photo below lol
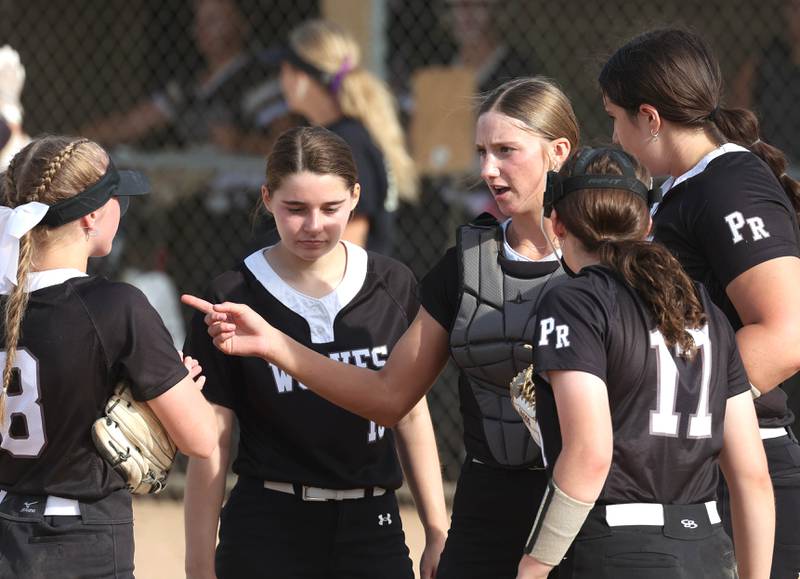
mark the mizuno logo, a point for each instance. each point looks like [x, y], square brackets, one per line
[27, 508]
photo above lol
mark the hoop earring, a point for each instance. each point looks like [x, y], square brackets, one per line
[90, 233]
[654, 134]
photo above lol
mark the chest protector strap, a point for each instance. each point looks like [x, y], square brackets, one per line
[491, 338]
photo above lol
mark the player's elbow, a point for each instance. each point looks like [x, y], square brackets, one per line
[597, 465]
[393, 404]
[400, 411]
[202, 441]
[199, 446]
[783, 331]
[594, 460]
[388, 418]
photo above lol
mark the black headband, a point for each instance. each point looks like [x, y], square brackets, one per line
[559, 187]
[297, 61]
[113, 183]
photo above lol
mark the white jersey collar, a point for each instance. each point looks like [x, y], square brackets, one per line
[49, 277]
[319, 313]
[510, 254]
[700, 166]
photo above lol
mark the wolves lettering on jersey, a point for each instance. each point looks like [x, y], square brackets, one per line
[284, 383]
[289, 433]
[667, 409]
[361, 358]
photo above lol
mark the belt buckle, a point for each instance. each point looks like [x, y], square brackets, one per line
[306, 497]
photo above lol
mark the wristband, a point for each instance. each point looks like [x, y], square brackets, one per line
[559, 520]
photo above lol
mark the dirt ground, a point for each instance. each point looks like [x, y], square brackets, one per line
[159, 537]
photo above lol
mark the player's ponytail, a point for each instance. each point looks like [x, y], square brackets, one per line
[740, 126]
[612, 223]
[360, 94]
[47, 170]
[675, 72]
[662, 284]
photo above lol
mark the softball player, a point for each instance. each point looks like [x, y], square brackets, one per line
[315, 493]
[728, 215]
[643, 394]
[478, 304]
[322, 79]
[68, 338]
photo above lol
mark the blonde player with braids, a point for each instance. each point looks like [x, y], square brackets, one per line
[67, 339]
[323, 80]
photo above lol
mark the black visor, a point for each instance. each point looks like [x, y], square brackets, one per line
[113, 183]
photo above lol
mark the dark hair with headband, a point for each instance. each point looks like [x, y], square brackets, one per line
[675, 72]
[613, 221]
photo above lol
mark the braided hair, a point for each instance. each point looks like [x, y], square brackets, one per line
[47, 170]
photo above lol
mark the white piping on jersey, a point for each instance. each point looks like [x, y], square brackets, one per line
[49, 277]
[512, 255]
[319, 313]
[673, 182]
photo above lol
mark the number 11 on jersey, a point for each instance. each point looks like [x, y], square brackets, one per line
[664, 421]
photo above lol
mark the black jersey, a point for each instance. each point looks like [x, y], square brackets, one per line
[667, 411]
[378, 192]
[721, 222]
[78, 338]
[289, 433]
[440, 295]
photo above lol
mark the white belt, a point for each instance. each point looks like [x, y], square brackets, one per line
[55, 506]
[320, 494]
[767, 433]
[648, 514]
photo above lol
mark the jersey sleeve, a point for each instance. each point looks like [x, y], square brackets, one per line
[571, 331]
[408, 293]
[138, 344]
[371, 175]
[438, 290]
[737, 376]
[218, 368]
[746, 220]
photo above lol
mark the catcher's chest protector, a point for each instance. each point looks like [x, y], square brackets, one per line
[496, 319]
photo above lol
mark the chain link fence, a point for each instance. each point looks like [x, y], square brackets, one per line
[130, 74]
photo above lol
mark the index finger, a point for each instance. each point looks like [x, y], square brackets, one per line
[197, 303]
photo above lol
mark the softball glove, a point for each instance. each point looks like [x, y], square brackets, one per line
[523, 398]
[131, 438]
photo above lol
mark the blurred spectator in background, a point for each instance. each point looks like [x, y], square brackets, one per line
[486, 43]
[322, 80]
[12, 78]
[477, 28]
[220, 106]
[769, 83]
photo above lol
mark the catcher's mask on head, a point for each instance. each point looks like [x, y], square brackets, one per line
[559, 187]
[113, 183]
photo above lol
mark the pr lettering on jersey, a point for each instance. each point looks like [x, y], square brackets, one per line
[736, 222]
[363, 358]
[547, 327]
